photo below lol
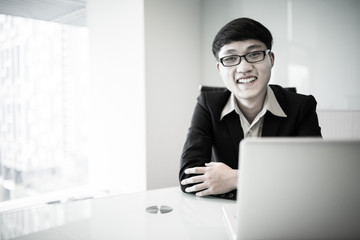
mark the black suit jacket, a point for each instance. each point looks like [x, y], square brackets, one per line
[209, 138]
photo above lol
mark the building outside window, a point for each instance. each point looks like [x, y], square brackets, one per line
[43, 106]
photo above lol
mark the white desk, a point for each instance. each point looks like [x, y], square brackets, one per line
[120, 217]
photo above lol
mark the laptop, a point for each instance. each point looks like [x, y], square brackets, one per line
[296, 188]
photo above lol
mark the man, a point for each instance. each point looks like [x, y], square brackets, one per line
[248, 108]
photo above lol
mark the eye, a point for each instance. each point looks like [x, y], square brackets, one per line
[230, 59]
[254, 54]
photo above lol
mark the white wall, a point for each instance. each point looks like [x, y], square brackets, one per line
[173, 74]
[339, 124]
[143, 98]
[117, 108]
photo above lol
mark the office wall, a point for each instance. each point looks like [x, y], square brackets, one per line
[145, 70]
[343, 124]
[117, 108]
[173, 74]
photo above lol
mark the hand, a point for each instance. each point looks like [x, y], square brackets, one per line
[214, 178]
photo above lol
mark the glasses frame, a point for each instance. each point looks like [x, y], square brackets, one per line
[244, 56]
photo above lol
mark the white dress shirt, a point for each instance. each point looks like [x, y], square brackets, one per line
[255, 128]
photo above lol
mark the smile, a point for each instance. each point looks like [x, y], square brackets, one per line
[245, 80]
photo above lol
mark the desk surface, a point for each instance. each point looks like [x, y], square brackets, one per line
[120, 217]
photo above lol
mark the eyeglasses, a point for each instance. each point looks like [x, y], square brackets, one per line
[251, 57]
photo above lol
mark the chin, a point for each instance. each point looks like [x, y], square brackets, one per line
[248, 92]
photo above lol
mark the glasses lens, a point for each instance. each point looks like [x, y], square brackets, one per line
[255, 56]
[230, 60]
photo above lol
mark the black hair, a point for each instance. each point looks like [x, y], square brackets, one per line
[241, 29]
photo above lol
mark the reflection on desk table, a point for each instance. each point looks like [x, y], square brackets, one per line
[183, 216]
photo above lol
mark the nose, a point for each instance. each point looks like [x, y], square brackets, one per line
[244, 66]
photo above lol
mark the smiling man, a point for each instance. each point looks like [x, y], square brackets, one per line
[249, 107]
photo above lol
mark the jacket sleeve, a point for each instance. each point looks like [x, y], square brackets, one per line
[307, 121]
[197, 148]
[199, 142]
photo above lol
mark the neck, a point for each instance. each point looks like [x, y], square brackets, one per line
[251, 107]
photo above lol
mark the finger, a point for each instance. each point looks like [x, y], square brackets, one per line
[191, 180]
[206, 192]
[195, 170]
[196, 188]
[210, 164]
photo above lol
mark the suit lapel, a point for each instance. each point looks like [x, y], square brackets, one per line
[272, 122]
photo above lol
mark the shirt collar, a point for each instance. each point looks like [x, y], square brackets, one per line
[270, 104]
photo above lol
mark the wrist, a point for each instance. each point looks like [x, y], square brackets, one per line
[234, 181]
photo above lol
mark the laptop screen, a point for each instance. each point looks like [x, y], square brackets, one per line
[298, 188]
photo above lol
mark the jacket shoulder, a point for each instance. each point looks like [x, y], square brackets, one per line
[288, 99]
[284, 95]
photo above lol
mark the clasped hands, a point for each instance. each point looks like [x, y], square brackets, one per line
[214, 178]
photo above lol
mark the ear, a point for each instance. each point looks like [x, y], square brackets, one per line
[218, 66]
[272, 58]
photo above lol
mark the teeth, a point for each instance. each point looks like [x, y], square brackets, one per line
[245, 80]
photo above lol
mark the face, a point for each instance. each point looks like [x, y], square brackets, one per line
[247, 81]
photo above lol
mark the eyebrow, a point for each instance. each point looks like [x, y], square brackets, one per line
[252, 47]
[230, 51]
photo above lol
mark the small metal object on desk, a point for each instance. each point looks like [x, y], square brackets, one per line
[152, 209]
[162, 209]
[165, 209]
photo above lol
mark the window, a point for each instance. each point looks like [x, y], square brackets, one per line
[43, 102]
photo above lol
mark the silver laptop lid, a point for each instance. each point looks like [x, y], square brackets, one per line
[298, 188]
